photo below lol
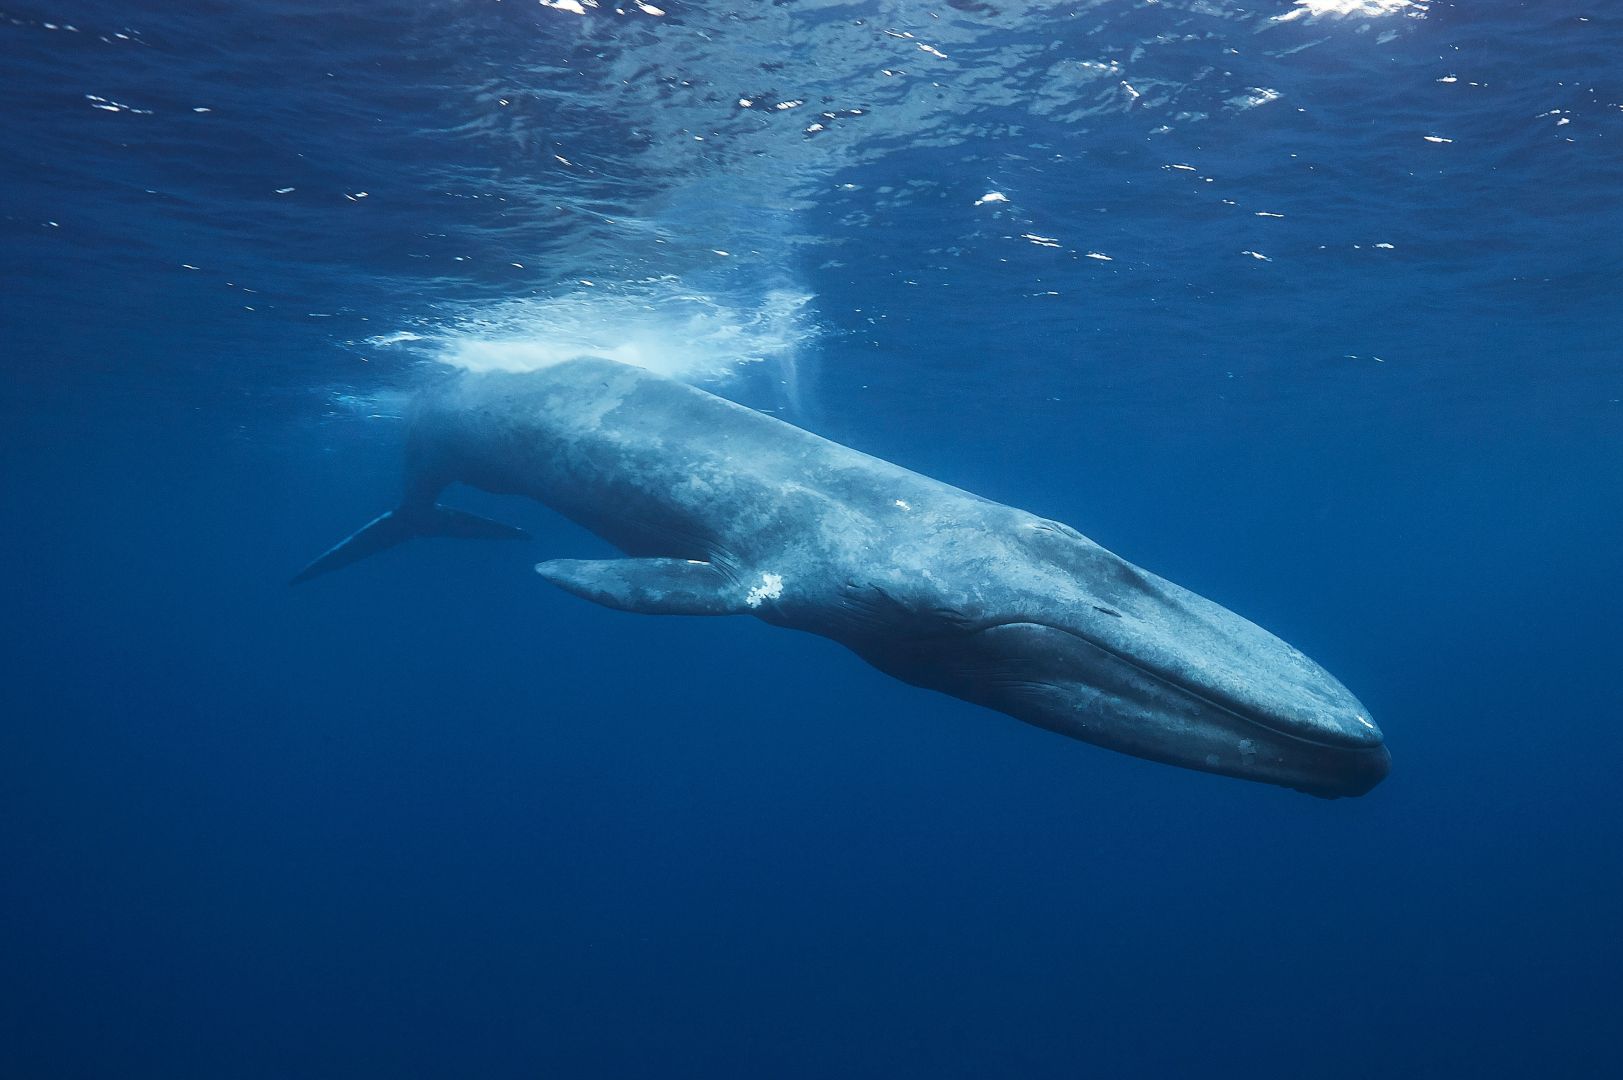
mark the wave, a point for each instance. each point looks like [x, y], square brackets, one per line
[662, 325]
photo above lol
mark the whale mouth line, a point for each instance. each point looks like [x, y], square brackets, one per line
[1184, 688]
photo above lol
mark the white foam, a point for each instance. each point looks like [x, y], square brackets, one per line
[655, 325]
[396, 338]
[1342, 9]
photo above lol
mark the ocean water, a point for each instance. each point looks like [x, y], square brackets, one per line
[1312, 307]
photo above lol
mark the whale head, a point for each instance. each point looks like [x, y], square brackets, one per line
[1061, 633]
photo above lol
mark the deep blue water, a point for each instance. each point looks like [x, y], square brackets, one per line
[1349, 364]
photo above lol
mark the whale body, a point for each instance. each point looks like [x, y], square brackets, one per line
[723, 510]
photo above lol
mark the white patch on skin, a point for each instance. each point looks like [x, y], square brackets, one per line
[1366, 723]
[770, 588]
[903, 504]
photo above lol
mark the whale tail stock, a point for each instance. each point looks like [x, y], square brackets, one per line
[405, 523]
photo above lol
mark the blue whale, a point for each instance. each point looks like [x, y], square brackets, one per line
[722, 510]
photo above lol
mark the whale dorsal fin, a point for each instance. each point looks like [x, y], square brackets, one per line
[648, 586]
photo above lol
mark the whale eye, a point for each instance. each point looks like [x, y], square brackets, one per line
[1108, 611]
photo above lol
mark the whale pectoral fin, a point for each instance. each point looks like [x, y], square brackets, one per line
[648, 586]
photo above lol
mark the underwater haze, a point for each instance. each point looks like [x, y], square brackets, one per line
[1311, 306]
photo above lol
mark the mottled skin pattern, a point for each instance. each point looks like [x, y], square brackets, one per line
[724, 510]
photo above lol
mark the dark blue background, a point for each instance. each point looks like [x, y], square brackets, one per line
[432, 818]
